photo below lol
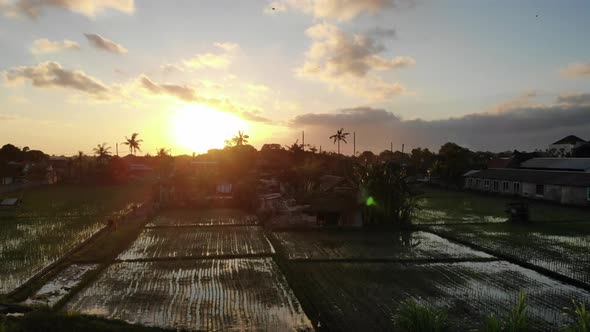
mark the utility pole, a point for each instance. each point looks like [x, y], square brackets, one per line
[403, 148]
[320, 149]
[391, 147]
[354, 143]
[117, 148]
[303, 139]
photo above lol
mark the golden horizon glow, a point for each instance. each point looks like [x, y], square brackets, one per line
[199, 128]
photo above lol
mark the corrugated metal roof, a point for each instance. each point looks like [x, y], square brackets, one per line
[571, 179]
[574, 164]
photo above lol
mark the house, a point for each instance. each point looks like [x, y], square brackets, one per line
[564, 187]
[565, 146]
[336, 203]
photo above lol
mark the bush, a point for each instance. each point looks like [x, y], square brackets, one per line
[414, 317]
[580, 317]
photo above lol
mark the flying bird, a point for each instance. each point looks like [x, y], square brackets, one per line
[535, 16]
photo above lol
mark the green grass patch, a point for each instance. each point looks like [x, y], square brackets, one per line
[445, 206]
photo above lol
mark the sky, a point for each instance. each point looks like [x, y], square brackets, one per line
[188, 74]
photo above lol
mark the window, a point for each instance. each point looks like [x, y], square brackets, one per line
[540, 190]
[478, 183]
[505, 186]
[496, 186]
[469, 182]
[486, 184]
[516, 187]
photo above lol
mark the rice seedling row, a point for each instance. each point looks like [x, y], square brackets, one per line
[49, 225]
[209, 294]
[207, 217]
[366, 297]
[561, 249]
[198, 242]
[372, 246]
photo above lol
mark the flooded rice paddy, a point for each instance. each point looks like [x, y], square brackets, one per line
[563, 248]
[51, 221]
[197, 242]
[209, 217]
[208, 295]
[366, 296]
[372, 245]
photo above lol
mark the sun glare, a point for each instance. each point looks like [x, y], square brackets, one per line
[199, 128]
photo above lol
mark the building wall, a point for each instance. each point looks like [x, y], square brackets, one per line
[575, 196]
[559, 194]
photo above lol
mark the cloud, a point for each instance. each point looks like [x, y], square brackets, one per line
[382, 33]
[227, 46]
[43, 46]
[576, 70]
[6, 117]
[347, 62]
[90, 8]
[101, 43]
[208, 60]
[521, 127]
[50, 74]
[575, 99]
[340, 10]
[189, 94]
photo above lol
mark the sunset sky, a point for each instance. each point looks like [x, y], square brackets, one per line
[186, 75]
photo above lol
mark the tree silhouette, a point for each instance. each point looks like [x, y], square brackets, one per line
[133, 143]
[238, 140]
[339, 136]
[162, 152]
[102, 151]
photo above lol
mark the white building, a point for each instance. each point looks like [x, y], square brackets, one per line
[565, 146]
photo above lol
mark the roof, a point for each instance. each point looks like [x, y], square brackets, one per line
[564, 164]
[9, 202]
[571, 139]
[471, 172]
[571, 179]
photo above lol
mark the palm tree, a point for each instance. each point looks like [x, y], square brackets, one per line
[102, 151]
[240, 139]
[133, 143]
[340, 136]
[162, 152]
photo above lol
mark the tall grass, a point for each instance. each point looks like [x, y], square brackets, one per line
[415, 317]
[580, 317]
[517, 319]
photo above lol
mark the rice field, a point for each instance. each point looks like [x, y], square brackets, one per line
[208, 217]
[372, 245]
[198, 242]
[563, 248]
[60, 285]
[366, 296]
[440, 206]
[51, 221]
[204, 295]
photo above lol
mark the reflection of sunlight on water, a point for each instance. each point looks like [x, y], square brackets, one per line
[229, 294]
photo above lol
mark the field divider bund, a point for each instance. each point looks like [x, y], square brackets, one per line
[548, 273]
[201, 226]
[200, 257]
[395, 260]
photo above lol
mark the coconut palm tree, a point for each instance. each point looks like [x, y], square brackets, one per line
[133, 143]
[240, 139]
[340, 136]
[102, 151]
[162, 152]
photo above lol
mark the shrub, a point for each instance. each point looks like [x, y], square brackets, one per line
[580, 317]
[414, 317]
[492, 324]
[517, 319]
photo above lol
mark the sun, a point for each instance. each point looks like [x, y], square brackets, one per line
[199, 128]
